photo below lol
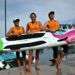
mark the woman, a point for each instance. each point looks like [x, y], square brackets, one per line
[32, 27]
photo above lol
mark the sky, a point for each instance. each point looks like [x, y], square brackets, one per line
[64, 11]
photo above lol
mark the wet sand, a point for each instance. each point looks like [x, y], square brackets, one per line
[45, 69]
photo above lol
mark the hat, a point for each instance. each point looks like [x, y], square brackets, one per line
[17, 20]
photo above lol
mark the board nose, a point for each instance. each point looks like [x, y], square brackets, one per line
[1, 45]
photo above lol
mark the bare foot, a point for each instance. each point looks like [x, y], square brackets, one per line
[37, 68]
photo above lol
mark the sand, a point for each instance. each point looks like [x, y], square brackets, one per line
[45, 69]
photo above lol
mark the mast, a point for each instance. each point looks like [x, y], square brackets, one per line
[5, 17]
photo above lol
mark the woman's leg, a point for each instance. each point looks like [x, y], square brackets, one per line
[24, 59]
[37, 59]
[30, 59]
[18, 58]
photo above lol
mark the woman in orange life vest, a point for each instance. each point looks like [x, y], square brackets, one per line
[32, 27]
[17, 30]
[52, 25]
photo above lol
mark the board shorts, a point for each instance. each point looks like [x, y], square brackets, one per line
[65, 49]
[23, 55]
[55, 51]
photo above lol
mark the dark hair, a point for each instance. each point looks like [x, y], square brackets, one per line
[17, 20]
[33, 14]
[52, 12]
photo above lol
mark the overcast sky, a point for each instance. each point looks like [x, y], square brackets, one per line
[64, 10]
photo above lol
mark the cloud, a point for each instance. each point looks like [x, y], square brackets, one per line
[64, 10]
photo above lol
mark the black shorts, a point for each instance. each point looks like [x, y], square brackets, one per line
[65, 49]
[55, 51]
[23, 55]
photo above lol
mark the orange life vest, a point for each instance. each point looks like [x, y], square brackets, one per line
[53, 25]
[34, 27]
[17, 30]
